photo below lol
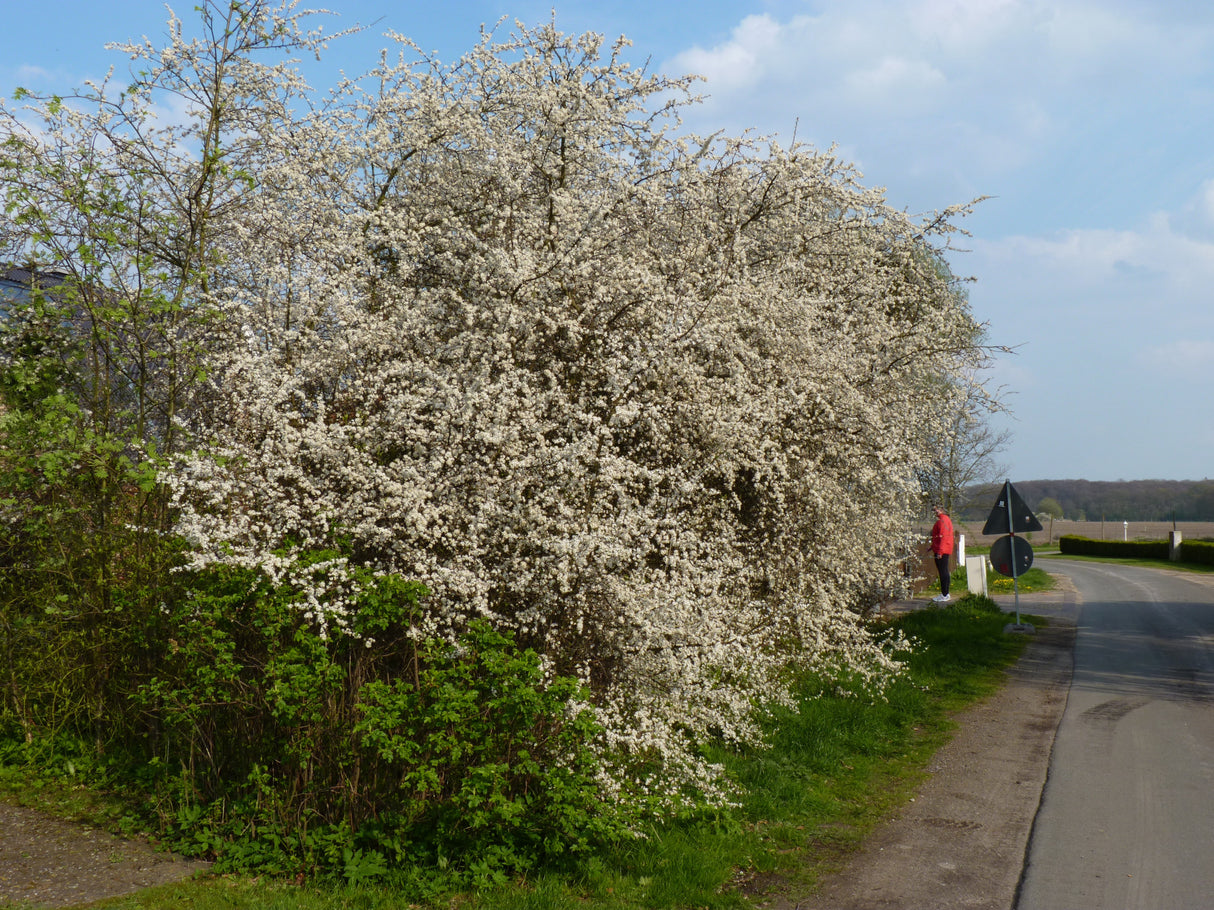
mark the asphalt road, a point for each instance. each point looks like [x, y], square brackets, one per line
[1127, 815]
[1086, 783]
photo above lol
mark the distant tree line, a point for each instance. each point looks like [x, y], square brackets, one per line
[1093, 500]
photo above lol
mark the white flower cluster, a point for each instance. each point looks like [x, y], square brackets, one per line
[653, 403]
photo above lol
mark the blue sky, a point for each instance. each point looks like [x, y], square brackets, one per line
[1090, 125]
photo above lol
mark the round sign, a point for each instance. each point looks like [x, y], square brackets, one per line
[1010, 550]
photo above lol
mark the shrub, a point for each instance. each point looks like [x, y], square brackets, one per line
[1197, 551]
[356, 752]
[1073, 545]
[485, 758]
[498, 326]
[82, 576]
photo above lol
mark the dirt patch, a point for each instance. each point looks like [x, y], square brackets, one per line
[48, 862]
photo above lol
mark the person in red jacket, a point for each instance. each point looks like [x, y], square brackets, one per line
[942, 549]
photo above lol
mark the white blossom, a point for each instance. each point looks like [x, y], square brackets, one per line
[651, 401]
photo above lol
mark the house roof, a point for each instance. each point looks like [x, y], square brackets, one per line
[16, 282]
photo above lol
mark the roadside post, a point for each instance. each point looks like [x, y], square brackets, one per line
[1011, 555]
[975, 575]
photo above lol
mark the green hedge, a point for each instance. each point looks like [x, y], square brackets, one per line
[1073, 545]
[1198, 551]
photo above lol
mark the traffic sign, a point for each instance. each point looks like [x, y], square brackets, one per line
[1010, 515]
[1011, 556]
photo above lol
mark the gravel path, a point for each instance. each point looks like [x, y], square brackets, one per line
[47, 862]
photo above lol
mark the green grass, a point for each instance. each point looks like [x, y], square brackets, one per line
[836, 768]
[1035, 580]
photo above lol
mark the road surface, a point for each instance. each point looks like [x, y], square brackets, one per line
[1085, 783]
[1127, 814]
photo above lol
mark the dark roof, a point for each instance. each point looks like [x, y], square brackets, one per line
[16, 282]
[22, 278]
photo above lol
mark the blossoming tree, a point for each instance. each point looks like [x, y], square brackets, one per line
[652, 402]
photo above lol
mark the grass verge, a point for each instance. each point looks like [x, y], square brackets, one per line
[1033, 581]
[837, 766]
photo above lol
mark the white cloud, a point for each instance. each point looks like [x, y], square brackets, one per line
[1167, 256]
[1196, 219]
[986, 87]
[1186, 359]
[27, 73]
[894, 83]
[739, 63]
[1100, 318]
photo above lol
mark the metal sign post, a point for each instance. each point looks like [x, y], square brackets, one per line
[1015, 574]
[1012, 555]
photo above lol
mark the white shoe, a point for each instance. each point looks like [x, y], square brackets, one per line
[944, 598]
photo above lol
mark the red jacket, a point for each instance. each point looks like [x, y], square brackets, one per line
[942, 536]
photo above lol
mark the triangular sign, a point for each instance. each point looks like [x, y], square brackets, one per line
[1022, 517]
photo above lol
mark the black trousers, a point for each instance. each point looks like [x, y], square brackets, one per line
[942, 568]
